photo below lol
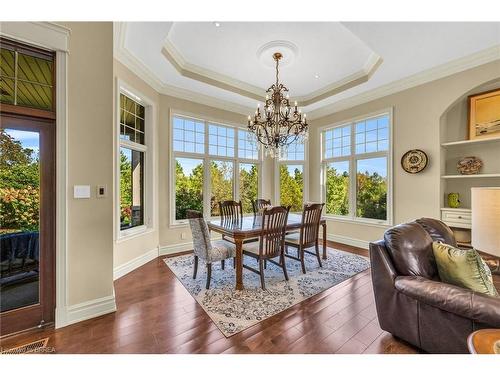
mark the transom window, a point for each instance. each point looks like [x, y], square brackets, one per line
[131, 120]
[26, 76]
[189, 135]
[356, 165]
[212, 162]
[220, 140]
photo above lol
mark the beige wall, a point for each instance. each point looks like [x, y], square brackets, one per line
[417, 114]
[90, 161]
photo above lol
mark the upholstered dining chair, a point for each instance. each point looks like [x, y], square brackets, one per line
[209, 251]
[308, 235]
[271, 242]
[259, 204]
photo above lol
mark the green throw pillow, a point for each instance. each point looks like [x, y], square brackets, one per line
[464, 268]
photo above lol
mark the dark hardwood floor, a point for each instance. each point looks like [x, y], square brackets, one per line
[155, 314]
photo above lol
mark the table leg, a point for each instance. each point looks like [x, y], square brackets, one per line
[239, 263]
[324, 240]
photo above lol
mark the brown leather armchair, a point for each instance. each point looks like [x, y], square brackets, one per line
[412, 303]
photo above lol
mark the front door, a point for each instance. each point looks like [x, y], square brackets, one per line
[27, 223]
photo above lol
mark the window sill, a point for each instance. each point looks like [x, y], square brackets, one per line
[366, 222]
[132, 233]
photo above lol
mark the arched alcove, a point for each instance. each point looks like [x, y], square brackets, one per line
[454, 138]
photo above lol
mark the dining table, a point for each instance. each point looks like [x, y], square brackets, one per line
[249, 227]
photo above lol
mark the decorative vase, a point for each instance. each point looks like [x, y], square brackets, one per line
[469, 165]
[454, 200]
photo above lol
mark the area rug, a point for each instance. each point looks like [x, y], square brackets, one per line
[233, 311]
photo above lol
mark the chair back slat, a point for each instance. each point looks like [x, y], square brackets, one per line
[311, 217]
[272, 238]
[201, 235]
[258, 204]
[231, 210]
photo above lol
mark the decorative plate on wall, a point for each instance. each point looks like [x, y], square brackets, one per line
[414, 161]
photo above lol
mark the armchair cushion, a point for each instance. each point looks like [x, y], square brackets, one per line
[453, 299]
[464, 268]
[410, 248]
[438, 230]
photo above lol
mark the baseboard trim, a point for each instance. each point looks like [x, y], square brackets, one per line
[177, 248]
[349, 241]
[132, 264]
[87, 310]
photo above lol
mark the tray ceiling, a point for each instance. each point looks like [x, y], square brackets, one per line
[325, 62]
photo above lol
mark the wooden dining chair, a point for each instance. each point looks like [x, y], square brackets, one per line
[209, 251]
[308, 235]
[231, 210]
[271, 242]
[259, 204]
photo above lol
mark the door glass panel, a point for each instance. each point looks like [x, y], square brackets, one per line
[19, 219]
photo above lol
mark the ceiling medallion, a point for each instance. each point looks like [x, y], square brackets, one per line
[279, 125]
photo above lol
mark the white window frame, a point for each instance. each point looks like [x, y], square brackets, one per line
[149, 211]
[206, 158]
[277, 164]
[352, 159]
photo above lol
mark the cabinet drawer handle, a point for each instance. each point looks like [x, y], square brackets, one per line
[459, 217]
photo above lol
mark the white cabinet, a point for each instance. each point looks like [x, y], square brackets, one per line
[457, 217]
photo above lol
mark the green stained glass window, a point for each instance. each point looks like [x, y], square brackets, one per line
[26, 79]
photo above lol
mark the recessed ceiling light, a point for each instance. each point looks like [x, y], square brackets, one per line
[217, 24]
[316, 76]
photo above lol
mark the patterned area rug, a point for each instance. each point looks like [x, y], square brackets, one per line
[233, 311]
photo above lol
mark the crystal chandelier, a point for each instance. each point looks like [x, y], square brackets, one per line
[280, 124]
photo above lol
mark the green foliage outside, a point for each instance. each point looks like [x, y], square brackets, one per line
[188, 190]
[337, 192]
[125, 189]
[221, 176]
[189, 187]
[249, 186]
[371, 194]
[291, 188]
[19, 186]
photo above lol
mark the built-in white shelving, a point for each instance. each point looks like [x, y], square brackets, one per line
[479, 175]
[470, 142]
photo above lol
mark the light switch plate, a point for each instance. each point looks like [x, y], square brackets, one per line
[81, 191]
[101, 191]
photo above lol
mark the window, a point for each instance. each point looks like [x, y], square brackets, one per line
[188, 186]
[356, 160]
[132, 163]
[291, 174]
[26, 76]
[249, 182]
[213, 162]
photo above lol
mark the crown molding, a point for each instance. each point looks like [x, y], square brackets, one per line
[49, 34]
[456, 66]
[198, 73]
[143, 72]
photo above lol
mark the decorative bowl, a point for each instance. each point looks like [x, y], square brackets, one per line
[469, 165]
